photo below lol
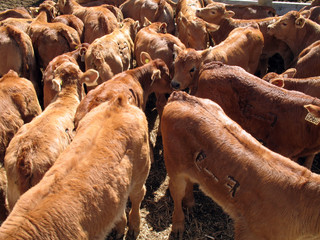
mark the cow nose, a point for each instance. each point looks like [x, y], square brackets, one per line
[175, 85]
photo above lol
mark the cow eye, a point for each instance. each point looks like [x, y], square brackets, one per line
[213, 12]
[192, 70]
[284, 24]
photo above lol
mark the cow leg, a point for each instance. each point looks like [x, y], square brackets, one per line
[136, 197]
[121, 225]
[177, 186]
[188, 199]
[309, 161]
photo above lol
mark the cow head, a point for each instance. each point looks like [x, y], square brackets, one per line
[214, 12]
[287, 25]
[186, 67]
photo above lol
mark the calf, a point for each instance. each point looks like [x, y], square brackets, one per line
[271, 114]
[71, 21]
[214, 12]
[267, 195]
[18, 105]
[98, 20]
[154, 10]
[16, 47]
[309, 86]
[251, 11]
[306, 60]
[84, 194]
[193, 31]
[113, 53]
[137, 83]
[271, 46]
[295, 30]
[242, 48]
[155, 40]
[19, 12]
[51, 39]
[37, 144]
[77, 56]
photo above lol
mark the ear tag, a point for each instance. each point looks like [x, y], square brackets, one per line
[312, 119]
[146, 61]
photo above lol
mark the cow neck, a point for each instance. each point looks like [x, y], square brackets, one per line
[70, 94]
[305, 37]
[143, 76]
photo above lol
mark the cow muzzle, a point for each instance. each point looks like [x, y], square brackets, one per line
[175, 85]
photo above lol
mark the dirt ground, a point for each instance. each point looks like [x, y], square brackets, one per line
[206, 221]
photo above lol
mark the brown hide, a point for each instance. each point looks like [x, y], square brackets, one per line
[3, 192]
[295, 30]
[71, 21]
[19, 12]
[287, 80]
[214, 12]
[251, 11]
[84, 194]
[98, 20]
[242, 48]
[113, 53]
[51, 39]
[153, 10]
[37, 144]
[271, 46]
[154, 40]
[203, 145]
[137, 84]
[76, 56]
[274, 116]
[19, 105]
[16, 47]
[308, 61]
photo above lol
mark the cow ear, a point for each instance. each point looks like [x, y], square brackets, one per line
[145, 57]
[176, 50]
[211, 27]
[155, 75]
[146, 22]
[305, 13]
[163, 28]
[313, 109]
[90, 77]
[278, 82]
[289, 73]
[229, 14]
[300, 22]
[56, 85]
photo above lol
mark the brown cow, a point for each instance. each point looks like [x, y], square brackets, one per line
[51, 39]
[271, 114]
[113, 53]
[271, 46]
[77, 56]
[309, 86]
[17, 49]
[138, 83]
[18, 12]
[84, 194]
[251, 11]
[155, 40]
[267, 195]
[242, 48]
[18, 105]
[192, 30]
[307, 60]
[37, 144]
[214, 12]
[154, 10]
[71, 21]
[98, 21]
[295, 30]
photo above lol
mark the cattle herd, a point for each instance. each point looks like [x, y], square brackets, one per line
[236, 89]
